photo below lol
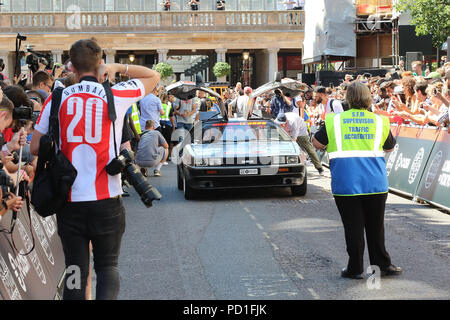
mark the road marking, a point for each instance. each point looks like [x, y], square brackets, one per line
[299, 276]
[313, 293]
[252, 217]
[274, 246]
[266, 235]
[260, 227]
[246, 210]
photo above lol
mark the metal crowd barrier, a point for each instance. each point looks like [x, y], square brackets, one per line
[419, 166]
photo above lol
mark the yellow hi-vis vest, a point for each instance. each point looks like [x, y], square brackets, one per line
[135, 118]
[355, 149]
[166, 107]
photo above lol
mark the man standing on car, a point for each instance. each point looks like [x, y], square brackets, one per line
[94, 211]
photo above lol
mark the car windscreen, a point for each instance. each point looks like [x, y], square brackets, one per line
[243, 131]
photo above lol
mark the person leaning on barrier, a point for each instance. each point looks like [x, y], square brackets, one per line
[94, 211]
[356, 141]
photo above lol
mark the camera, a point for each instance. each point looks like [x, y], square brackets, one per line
[124, 163]
[6, 183]
[34, 58]
[23, 113]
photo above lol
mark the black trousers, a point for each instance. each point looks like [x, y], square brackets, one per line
[103, 223]
[359, 213]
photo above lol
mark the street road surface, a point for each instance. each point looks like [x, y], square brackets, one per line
[258, 244]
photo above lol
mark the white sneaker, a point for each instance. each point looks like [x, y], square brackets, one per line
[165, 164]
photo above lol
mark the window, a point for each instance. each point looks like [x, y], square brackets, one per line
[97, 6]
[151, 5]
[122, 6]
[57, 5]
[18, 5]
[135, 5]
[6, 6]
[109, 5]
[46, 6]
[84, 5]
[69, 3]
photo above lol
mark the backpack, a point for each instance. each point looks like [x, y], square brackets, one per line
[55, 174]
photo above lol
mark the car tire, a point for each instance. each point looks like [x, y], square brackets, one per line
[301, 189]
[179, 179]
[189, 192]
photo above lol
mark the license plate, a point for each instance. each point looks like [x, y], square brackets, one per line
[248, 171]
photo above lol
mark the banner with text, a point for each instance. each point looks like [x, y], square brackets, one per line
[33, 276]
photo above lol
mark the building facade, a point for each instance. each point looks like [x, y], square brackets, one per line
[271, 36]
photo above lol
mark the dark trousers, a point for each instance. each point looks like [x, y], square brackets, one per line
[359, 213]
[103, 223]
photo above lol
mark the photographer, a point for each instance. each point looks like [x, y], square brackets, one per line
[6, 119]
[94, 211]
[42, 83]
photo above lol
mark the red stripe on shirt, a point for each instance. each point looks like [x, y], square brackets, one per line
[127, 93]
[43, 107]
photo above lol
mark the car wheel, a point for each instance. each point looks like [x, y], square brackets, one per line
[189, 193]
[301, 189]
[179, 179]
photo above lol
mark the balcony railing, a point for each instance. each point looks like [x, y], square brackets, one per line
[144, 22]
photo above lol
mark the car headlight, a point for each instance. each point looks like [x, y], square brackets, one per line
[200, 162]
[205, 162]
[292, 159]
[215, 162]
[279, 160]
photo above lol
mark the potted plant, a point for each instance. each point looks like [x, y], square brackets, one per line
[164, 69]
[221, 70]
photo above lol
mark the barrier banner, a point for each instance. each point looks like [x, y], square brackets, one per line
[435, 184]
[34, 276]
[406, 163]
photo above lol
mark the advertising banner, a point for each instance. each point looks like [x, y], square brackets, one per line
[406, 163]
[33, 276]
[435, 183]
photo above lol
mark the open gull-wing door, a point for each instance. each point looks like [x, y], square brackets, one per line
[185, 90]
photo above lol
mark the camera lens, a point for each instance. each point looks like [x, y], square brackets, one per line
[140, 184]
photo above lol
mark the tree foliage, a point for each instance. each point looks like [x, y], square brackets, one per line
[431, 17]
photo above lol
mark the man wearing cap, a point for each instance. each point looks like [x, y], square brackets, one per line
[296, 127]
[326, 105]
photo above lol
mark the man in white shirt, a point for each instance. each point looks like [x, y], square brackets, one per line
[88, 138]
[296, 127]
[326, 104]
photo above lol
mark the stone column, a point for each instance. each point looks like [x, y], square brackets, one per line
[110, 55]
[8, 60]
[57, 55]
[221, 55]
[273, 63]
[162, 55]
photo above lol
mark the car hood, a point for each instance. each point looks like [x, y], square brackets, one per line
[245, 149]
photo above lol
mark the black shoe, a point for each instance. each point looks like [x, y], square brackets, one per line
[391, 271]
[144, 172]
[321, 171]
[125, 194]
[346, 274]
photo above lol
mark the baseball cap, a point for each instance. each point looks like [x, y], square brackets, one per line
[281, 119]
